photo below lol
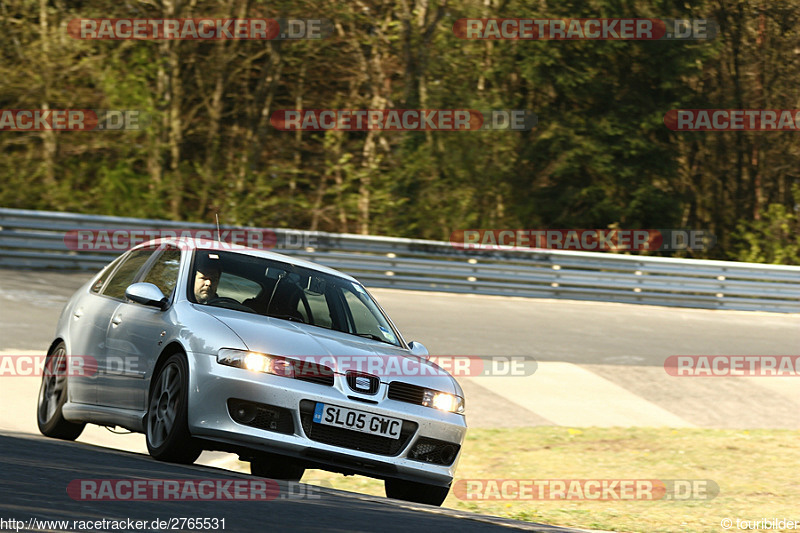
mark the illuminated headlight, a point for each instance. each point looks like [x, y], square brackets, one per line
[256, 362]
[443, 401]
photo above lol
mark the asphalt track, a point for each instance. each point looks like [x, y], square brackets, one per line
[600, 364]
[35, 472]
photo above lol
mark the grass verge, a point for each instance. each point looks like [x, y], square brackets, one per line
[755, 470]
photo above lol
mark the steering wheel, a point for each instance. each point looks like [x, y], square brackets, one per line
[229, 303]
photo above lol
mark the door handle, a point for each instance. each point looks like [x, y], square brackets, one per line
[117, 320]
[78, 313]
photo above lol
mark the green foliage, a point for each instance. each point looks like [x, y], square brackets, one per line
[772, 238]
[599, 157]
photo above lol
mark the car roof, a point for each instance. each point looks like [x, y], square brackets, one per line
[192, 244]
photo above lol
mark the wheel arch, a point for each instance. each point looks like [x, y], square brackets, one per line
[55, 343]
[168, 351]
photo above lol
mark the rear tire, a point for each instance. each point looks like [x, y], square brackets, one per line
[53, 396]
[410, 491]
[276, 467]
[166, 425]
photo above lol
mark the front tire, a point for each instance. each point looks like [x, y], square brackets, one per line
[166, 426]
[53, 396]
[410, 491]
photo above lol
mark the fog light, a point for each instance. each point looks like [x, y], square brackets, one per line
[448, 454]
[434, 451]
[244, 413]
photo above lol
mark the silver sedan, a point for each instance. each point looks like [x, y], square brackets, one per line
[291, 365]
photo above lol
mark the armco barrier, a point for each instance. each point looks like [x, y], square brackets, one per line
[35, 239]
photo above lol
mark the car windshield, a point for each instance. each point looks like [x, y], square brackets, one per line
[281, 290]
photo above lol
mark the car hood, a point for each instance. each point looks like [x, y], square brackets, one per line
[337, 350]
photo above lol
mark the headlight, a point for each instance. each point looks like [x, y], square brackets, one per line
[443, 401]
[256, 362]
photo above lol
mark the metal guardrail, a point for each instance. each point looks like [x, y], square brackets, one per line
[35, 239]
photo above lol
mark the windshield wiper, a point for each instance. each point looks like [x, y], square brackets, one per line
[373, 337]
[288, 317]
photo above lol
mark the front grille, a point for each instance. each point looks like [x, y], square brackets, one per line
[354, 379]
[261, 416]
[353, 440]
[434, 451]
[405, 392]
[313, 373]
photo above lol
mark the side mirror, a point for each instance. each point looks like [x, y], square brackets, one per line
[146, 294]
[419, 349]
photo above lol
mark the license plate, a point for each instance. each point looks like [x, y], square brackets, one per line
[332, 415]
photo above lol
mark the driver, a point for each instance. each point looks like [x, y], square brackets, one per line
[206, 279]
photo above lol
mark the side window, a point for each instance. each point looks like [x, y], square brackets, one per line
[164, 273]
[126, 273]
[104, 276]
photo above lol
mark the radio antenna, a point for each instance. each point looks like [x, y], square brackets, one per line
[219, 238]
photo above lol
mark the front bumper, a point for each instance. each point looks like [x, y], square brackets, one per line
[212, 386]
